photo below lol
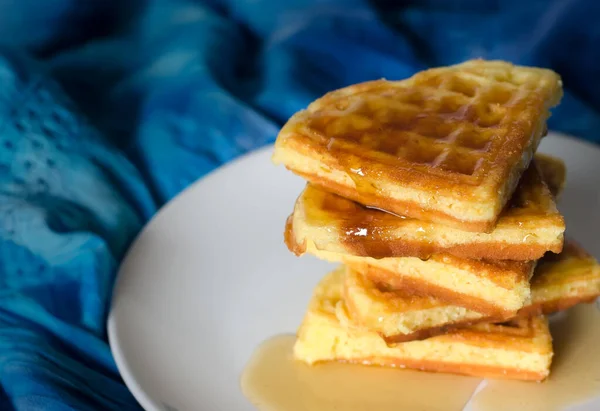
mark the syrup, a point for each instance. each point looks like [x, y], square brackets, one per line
[274, 381]
[575, 372]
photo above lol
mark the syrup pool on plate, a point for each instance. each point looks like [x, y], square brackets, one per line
[274, 381]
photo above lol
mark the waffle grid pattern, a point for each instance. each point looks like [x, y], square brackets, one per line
[452, 119]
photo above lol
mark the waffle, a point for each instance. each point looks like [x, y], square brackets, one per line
[559, 282]
[495, 288]
[553, 172]
[401, 315]
[528, 227]
[564, 280]
[521, 349]
[447, 145]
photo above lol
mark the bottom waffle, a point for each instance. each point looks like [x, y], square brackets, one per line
[519, 350]
[398, 315]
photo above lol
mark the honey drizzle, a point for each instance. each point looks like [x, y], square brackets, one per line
[365, 230]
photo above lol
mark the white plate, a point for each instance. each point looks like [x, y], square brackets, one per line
[209, 278]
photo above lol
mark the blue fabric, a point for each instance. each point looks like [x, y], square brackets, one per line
[110, 108]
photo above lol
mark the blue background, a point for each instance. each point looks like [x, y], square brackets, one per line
[110, 108]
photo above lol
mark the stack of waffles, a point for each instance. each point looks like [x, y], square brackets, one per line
[431, 195]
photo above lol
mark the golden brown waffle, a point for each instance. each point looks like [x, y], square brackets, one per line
[529, 226]
[553, 171]
[519, 350]
[447, 145]
[398, 314]
[564, 280]
[495, 288]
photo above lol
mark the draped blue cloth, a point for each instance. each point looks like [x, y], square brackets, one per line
[109, 108]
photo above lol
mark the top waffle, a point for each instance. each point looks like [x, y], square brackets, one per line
[447, 145]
